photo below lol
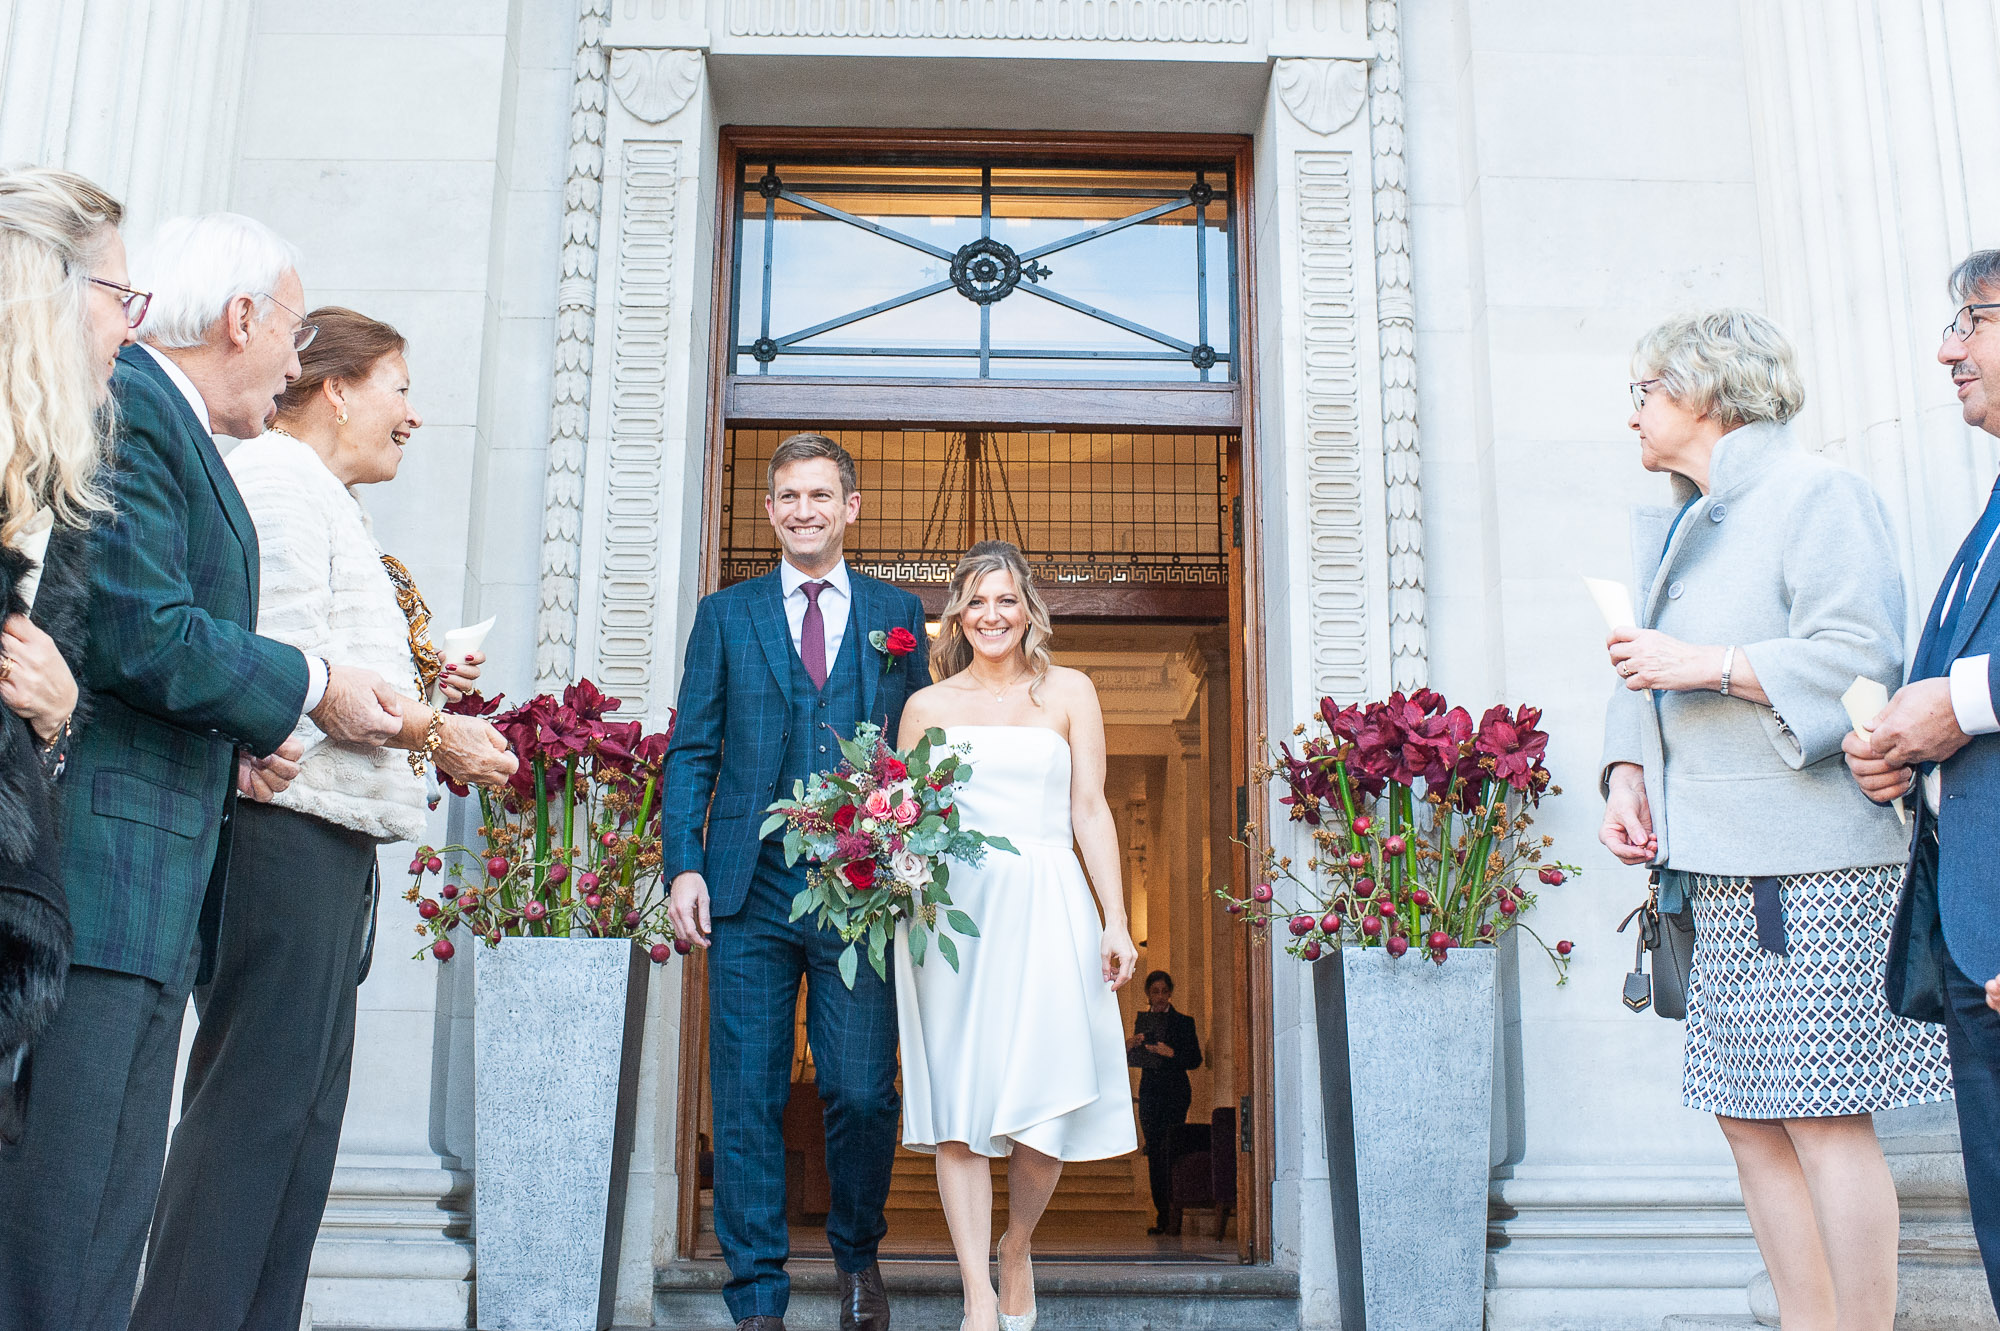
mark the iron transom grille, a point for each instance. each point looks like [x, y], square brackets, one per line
[984, 269]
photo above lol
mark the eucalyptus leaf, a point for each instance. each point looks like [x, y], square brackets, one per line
[963, 923]
[850, 965]
[771, 824]
[948, 948]
[803, 902]
[920, 940]
[1001, 843]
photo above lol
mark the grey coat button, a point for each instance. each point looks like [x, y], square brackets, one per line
[1674, 592]
[1715, 514]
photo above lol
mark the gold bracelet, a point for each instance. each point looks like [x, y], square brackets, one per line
[433, 739]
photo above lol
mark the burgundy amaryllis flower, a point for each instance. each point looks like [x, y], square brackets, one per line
[588, 701]
[1515, 748]
[473, 704]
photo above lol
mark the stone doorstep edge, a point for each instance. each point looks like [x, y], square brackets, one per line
[1063, 1279]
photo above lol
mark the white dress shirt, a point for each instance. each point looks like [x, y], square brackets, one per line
[315, 667]
[834, 601]
[1971, 695]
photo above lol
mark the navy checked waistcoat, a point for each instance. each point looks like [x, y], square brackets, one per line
[809, 746]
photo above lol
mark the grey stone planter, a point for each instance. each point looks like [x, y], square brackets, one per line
[1406, 1078]
[556, 1030]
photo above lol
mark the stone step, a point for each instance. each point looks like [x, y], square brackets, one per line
[1710, 1322]
[1071, 1296]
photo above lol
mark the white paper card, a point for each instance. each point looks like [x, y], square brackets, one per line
[1864, 700]
[1613, 602]
[461, 643]
[34, 543]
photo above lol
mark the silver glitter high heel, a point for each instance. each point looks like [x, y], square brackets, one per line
[1020, 1321]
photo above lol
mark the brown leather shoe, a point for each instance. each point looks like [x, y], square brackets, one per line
[761, 1323]
[864, 1304]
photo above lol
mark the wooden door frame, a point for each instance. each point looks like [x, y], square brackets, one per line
[1050, 404]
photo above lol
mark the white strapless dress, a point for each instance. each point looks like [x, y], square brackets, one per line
[1023, 1042]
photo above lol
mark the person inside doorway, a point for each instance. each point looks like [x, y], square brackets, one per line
[1164, 1047]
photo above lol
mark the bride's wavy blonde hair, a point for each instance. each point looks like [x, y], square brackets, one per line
[953, 653]
[54, 416]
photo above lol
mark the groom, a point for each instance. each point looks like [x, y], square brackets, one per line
[774, 666]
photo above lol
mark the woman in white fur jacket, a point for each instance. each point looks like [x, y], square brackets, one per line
[252, 1159]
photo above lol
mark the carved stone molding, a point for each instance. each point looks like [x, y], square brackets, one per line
[576, 333]
[1338, 556]
[1220, 22]
[629, 581]
[1323, 95]
[1395, 309]
[653, 85]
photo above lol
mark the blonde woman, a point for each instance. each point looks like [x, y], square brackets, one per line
[1020, 1051]
[67, 310]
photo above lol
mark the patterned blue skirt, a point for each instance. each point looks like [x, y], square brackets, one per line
[1807, 1034]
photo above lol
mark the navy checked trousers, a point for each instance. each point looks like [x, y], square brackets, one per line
[755, 962]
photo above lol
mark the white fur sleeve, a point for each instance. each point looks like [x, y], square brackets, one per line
[294, 550]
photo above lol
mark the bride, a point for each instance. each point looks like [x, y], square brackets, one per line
[1020, 1051]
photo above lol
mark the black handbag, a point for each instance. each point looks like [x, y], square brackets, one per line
[1913, 972]
[1668, 940]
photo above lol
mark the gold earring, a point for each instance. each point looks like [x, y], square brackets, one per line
[341, 419]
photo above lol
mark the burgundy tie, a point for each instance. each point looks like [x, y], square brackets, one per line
[812, 635]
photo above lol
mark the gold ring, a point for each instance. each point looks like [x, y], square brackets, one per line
[6, 667]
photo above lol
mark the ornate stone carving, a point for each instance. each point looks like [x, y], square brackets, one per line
[1337, 578]
[1395, 308]
[576, 333]
[629, 581]
[1219, 22]
[653, 85]
[1323, 95]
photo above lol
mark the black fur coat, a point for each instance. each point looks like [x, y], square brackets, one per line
[34, 919]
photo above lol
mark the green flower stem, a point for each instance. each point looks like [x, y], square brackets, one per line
[1347, 800]
[541, 828]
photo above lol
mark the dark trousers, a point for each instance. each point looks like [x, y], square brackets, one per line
[252, 1158]
[755, 962]
[76, 1194]
[1163, 1107]
[1973, 1030]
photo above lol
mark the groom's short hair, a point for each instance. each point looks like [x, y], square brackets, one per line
[804, 448]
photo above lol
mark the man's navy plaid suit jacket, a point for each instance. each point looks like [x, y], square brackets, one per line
[735, 714]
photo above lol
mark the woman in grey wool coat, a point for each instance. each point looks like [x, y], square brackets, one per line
[1764, 591]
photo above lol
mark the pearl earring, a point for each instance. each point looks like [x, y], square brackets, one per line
[341, 419]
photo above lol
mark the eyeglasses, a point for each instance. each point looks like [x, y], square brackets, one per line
[303, 335]
[1639, 392]
[1967, 321]
[134, 300]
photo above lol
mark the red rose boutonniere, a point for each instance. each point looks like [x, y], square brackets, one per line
[894, 645]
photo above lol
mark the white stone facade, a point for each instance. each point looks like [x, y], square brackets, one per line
[1466, 211]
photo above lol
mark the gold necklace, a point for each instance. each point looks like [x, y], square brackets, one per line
[1000, 694]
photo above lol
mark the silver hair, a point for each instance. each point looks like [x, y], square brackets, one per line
[1733, 364]
[196, 265]
[1977, 275]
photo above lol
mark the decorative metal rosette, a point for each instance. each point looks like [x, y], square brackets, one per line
[986, 270]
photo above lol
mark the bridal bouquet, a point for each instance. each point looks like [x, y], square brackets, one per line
[879, 830]
[1419, 825]
[570, 847]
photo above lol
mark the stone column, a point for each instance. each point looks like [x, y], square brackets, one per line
[142, 96]
[1874, 121]
[637, 491]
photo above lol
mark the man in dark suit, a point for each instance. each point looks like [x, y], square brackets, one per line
[774, 667]
[1940, 739]
[188, 702]
[1165, 1048]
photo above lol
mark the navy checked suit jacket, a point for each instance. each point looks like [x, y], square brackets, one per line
[1968, 823]
[177, 681]
[731, 728]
